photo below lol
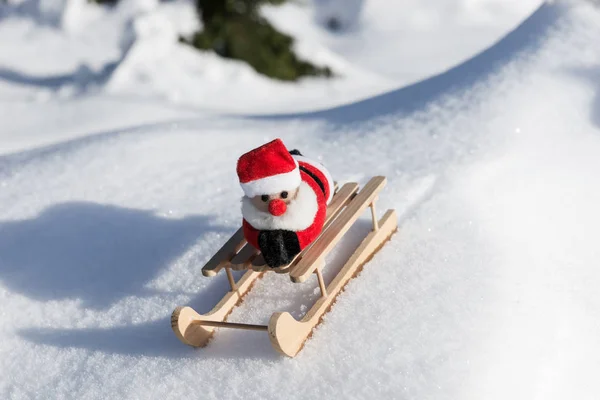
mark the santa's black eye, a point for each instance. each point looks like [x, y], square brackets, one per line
[284, 195]
[264, 197]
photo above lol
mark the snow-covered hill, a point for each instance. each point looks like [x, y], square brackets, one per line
[132, 51]
[112, 200]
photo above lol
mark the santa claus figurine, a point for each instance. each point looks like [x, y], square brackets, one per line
[285, 202]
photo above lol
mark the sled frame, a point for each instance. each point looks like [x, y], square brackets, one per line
[287, 335]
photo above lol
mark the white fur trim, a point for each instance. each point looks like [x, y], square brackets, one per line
[321, 168]
[299, 215]
[273, 184]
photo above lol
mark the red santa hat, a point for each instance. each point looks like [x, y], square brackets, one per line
[268, 169]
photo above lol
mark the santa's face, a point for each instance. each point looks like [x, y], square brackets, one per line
[262, 202]
[293, 210]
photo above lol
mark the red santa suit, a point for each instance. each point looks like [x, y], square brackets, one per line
[271, 169]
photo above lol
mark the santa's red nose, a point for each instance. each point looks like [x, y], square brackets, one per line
[277, 207]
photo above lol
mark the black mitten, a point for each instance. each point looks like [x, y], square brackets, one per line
[278, 247]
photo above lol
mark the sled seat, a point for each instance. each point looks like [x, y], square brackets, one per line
[238, 254]
[345, 208]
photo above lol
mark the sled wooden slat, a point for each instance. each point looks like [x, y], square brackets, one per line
[243, 258]
[225, 253]
[316, 254]
[339, 200]
[287, 335]
[345, 194]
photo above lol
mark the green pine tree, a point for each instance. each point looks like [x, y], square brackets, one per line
[235, 29]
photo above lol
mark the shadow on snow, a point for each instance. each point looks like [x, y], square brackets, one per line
[101, 254]
[156, 339]
[591, 76]
[96, 253]
[82, 77]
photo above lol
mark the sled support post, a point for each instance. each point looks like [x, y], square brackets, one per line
[321, 282]
[230, 279]
[374, 216]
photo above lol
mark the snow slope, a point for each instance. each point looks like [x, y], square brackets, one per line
[488, 290]
[407, 40]
[132, 51]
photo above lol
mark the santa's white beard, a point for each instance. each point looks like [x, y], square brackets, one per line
[299, 215]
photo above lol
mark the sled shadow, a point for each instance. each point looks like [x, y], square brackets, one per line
[147, 339]
[529, 34]
[156, 338]
[95, 253]
[101, 254]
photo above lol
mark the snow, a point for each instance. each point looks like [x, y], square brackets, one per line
[112, 200]
[338, 15]
[93, 44]
[406, 41]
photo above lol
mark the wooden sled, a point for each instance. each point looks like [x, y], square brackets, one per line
[288, 335]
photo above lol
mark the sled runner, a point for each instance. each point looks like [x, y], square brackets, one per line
[287, 335]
